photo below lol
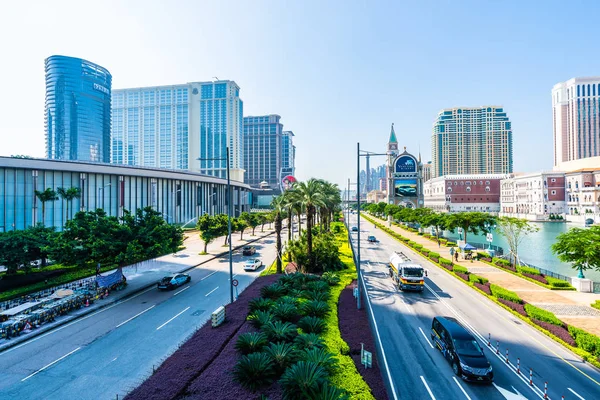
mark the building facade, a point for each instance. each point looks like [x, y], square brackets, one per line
[288, 152]
[77, 111]
[404, 176]
[179, 195]
[472, 140]
[456, 193]
[576, 121]
[263, 152]
[376, 196]
[583, 195]
[174, 126]
[427, 171]
[534, 197]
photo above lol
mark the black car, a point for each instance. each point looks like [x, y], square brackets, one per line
[461, 349]
[248, 250]
[171, 282]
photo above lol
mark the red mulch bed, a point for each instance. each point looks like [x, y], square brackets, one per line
[483, 287]
[464, 276]
[355, 329]
[194, 357]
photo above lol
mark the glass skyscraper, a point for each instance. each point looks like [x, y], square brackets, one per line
[77, 112]
[263, 149]
[288, 152]
[472, 140]
[173, 126]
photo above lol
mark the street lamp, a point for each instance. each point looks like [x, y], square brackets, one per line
[358, 156]
[99, 189]
[229, 212]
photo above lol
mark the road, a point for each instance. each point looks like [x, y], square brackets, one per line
[419, 371]
[111, 351]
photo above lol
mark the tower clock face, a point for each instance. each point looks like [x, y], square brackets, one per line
[393, 146]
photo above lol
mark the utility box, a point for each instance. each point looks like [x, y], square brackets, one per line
[218, 316]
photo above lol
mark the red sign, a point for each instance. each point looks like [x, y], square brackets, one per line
[234, 282]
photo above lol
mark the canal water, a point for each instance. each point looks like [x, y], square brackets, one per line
[535, 247]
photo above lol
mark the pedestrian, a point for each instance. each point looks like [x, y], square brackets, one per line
[456, 256]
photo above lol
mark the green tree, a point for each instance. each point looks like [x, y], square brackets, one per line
[68, 195]
[581, 247]
[15, 251]
[44, 197]
[438, 221]
[254, 221]
[473, 222]
[242, 222]
[210, 227]
[263, 218]
[515, 230]
[310, 196]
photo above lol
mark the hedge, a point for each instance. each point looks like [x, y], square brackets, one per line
[527, 270]
[425, 252]
[479, 279]
[559, 283]
[542, 315]
[450, 244]
[501, 262]
[434, 255]
[417, 246]
[596, 304]
[505, 294]
[586, 341]
[482, 254]
[461, 269]
[445, 261]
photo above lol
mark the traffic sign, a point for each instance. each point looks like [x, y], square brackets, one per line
[489, 237]
[234, 282]
[451, 251]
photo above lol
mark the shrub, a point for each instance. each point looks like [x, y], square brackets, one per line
[273, 291]
[327, 391]
[312, 325]
[254, 370]
[287, 300]
[260, 304]
[479, 279]
[505, 294]
[258, 319]
[586, 341]
[461, 269]
[418, 246]
[559, 331]
[315, 295]
[463, 276]
[527, 270]
[411, 243]
[445, 261]
[283, 355]
[483, 288]
[302, 380]
[425, 252]
[514, 306]
[450, 244]
[443, 241]
[279, 331]
[542, 315]
[539, 278]
[558, 283]
[318, 286]
[500, 262]
[596, 304]
[322, 358]
[427, 235]
[434, 255]
[285, 312]
[307, 341]
[331, 278]
[482, 254]
[315, 308]
[251, 342]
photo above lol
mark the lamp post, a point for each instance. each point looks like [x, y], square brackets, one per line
[358, 156]
[101, 189]
[229, 213]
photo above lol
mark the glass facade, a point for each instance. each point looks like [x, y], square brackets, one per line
[179, 196]
[263, 150]
[78, 110]
[474, 140]
[288, 151]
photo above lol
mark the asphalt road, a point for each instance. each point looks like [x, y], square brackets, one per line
[111, 351]
[419, 371]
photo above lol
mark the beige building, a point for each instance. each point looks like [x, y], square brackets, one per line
[533, 196]
[583, 195]
[376, 196]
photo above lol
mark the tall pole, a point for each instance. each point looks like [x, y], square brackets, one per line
[348, 204]
[229, 213]
[358, 223]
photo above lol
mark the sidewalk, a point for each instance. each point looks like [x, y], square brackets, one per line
[569, 306]
[144, 275]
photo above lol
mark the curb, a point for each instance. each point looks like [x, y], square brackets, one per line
[115, 300]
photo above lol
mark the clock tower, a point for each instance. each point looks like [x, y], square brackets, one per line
[392, 153]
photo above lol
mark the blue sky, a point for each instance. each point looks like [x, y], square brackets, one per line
[338, 72]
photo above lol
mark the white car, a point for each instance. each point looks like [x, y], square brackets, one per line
[253, 264]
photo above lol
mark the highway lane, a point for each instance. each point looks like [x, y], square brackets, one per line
[413, 312]
[111, 352]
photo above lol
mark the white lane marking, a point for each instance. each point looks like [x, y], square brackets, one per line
[406, 306]
[235, 275]
[77, 320]
[507, 394]
[425, 336]
[536, 390]
[516, 391]
[427, 387]
[114, 359]
[173, 318]
[387, 368]
[185, 288]
[49, 365]
[575, 393]
[461, 388]
[136, 315]
[208, 276]
[207, 294]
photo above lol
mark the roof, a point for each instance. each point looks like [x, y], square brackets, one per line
[393, 136]
[455, 328]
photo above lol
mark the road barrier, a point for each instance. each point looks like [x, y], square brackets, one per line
[218, 316]
[508, 362]
[489, 339]
[519, 366]
[497, 347]
[545, 390]
[530, 377]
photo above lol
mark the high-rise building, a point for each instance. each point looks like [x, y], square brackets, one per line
[174, 126]
[576, 120]
[263, 150]
[472, 140]
[427, 170]
[288, 151]
[77, 112]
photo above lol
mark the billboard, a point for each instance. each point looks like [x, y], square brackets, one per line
[405, 163]
[287, 182]
[405, 187]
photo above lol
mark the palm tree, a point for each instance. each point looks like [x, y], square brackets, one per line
[277, 204]
[68, 195]
[310, 196]
[45, 196]
[332, 200]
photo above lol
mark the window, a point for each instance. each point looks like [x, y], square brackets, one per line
[553, 180]
[487, 182]
[468, 189]
[553, 192]
[487, 188]
[462, 183]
